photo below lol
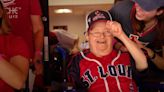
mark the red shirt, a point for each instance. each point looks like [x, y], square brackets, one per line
[19, 12]
[11, 46]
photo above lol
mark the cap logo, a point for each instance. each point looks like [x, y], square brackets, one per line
[98, 15]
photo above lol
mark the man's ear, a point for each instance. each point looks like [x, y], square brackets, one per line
[160, 12]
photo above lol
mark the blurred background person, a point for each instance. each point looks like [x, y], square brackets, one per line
[14, 57]
[25, 18]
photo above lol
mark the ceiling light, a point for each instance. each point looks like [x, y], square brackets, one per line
[63, 11]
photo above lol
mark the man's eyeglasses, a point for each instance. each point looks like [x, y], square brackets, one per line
[98, 34]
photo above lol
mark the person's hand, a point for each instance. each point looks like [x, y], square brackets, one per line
[38, 65]
[115, 28]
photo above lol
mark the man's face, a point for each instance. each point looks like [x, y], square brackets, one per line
[100, 39]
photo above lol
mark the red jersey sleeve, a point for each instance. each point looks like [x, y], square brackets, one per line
[35, 7]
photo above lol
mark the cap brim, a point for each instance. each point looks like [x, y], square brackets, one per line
[147, 5]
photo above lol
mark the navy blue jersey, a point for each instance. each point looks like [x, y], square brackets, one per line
[122, 12]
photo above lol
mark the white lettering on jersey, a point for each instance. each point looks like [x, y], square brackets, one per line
[6, 3]
[112, 71]
[12, 11]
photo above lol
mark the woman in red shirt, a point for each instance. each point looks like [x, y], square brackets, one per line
[14, 57]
